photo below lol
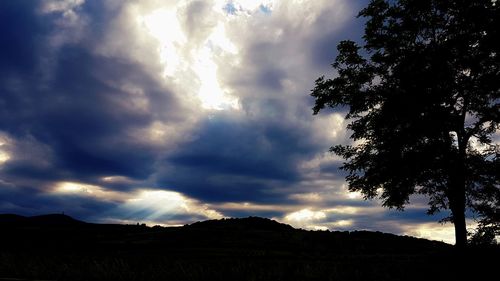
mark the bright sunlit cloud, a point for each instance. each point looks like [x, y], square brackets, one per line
[211, 94]
[160, 207]
[345, 210]
[436, 231]
[157, 202]
[184, 60]
[342, 223]
[116, 179]
[73, 187]
[69, 188]
[164, 26]
[4, 157]
[305, 215]
[50, 6]
[432, 231]
[354, 195]
[305, 218]
[307, 197]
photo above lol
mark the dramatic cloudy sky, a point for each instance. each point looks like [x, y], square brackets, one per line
[173, 111]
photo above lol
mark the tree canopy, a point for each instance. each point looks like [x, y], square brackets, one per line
[422, 94]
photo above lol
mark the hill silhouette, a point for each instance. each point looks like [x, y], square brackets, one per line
[58, 247]
[42, 220]
[233, 235]
[250, 223]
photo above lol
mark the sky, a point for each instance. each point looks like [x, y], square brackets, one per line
[170, 112]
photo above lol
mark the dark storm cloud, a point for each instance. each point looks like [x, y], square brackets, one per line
[80, 117]
[238, 160]
[252, 149]
[80, 112]
[324, 44]
[93, 123]
[19, 27]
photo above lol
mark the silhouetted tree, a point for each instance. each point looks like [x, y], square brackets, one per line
[422, 96]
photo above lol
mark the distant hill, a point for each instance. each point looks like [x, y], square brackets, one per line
[12, 219]
[58, 247]
[250, 223]
[232, 234]
[42, 220]
[267, 234]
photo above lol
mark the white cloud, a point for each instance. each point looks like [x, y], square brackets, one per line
[313, 166]
[69, 188]
[435, 231]
[51, 6]
[117, 179]
[307, 197]
[70, 22]
[321, 219]
[348, 210]
[4, 157]
[164, 26]
[305, 218]
[432, 231]
[184, 41]
[252, 208]
[341, 223]
[162, 207]
[4, 154]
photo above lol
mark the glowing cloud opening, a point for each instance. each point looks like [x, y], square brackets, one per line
[159, 206]
[181, 59]
[73, 187]
[354, 195]
[305, 215]
[4, 157]
[343, 223]
[87, 190]
[163, 25]
[210, 93]
[433, 231]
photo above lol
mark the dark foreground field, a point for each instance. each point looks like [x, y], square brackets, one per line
[56, 247]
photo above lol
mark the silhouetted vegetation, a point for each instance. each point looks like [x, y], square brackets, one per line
[252, 248]
[423, 98]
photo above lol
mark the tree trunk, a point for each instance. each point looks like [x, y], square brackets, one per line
[460, 227]
[457, 206]
[457, 199]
